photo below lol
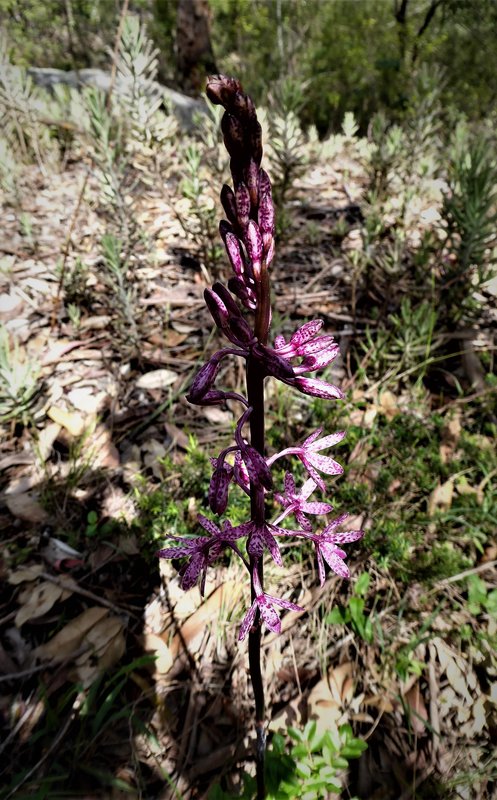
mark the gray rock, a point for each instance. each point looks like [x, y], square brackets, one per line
[183, 107]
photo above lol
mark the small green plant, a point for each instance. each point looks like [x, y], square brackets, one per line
[115, 276]
[479, 598]
[200, 223]
[19, 381]
[354, 614]
[470, 215]
[308, 770]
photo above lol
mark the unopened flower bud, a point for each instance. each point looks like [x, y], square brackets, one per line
[221, 89]
[241, 330]
[253, 243]
[203, 380]
[246, 295]
[218, 489]
[227, 299]
[217, 308]
[234, 253]
[242, 205]
[252, 180]
[266, 207]
[229, 203]
[258, 470]
[234, 136]
[274, 364]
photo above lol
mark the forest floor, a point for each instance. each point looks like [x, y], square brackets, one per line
[114, 682]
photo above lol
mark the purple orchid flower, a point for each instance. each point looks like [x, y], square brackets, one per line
[296, 502]
[202, 551]
[326, 543]
[261, 536]
[308, 453]
[265, 604]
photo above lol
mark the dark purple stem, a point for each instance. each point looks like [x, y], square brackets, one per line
[255, 391]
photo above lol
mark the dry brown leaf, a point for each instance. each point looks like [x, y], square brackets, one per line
[415, 701]
[69, 639]
[103, 451]
[70, 420]
[165, 655]
[327, 700]
[178, 436]
[83, 399]
[460, 677]
[25, 574]
[47, 438]
[106, 646]
[59, 349]
[217, 416]
[381, 702]
[26, 507]
[387, 405]
[37, 601]
[441, 497]
[156, 379]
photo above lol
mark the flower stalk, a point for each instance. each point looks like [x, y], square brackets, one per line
[242, 313]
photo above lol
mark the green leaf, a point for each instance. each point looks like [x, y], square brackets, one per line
[362, 584]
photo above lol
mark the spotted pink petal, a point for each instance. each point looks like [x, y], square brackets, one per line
[306, 332]
[316, 346]
[208, 525]
[286, 604]
[325, 464]
[316, 508]
[289, 483]
[307, 489]
[344, 536]
[321, 567]
[317, 388]
[334, 561]
[335, 523]
[198, 562]
[302, 520]
[319, 361]
[312, 438]
[316, 477]
[247, 622]
[268, 613]
[327, 441]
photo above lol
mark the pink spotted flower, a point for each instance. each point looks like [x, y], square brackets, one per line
[296, 503]
[202, 551]
[309, 454]
[327, 550]
[265, 604]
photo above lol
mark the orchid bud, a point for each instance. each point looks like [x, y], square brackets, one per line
[220, 89]
[266, 208]
[229, 203]
[256, 142]
[234, 135]
[218, 489]
[217, 308]
[253, 243]
[246, 295]
[234, 253]
[252, 180]
[306, 332]
[258, 470]
[242, 204]
[226, 299]
[203, 380]
[274, 364]
[241, 330]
